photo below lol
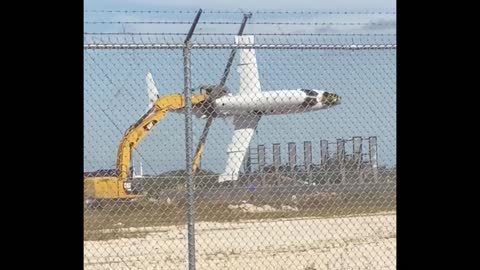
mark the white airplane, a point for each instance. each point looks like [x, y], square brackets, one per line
[250, 104]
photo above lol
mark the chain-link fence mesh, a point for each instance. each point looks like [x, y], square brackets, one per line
[295, 155]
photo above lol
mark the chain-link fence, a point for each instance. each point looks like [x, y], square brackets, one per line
[293, 155]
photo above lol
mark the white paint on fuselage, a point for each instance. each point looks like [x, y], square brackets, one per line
[266, 103]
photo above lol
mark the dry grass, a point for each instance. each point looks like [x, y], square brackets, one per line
[150, 214]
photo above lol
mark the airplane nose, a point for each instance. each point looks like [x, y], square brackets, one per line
[339, 99]
[331, 99]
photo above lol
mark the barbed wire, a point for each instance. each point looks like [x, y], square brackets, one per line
[302, 12]
[261, 23]
[234, 34]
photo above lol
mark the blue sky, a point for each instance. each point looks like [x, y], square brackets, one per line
[353, 5]
[230, 5]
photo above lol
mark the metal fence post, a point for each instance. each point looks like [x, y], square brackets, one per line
[188, 143]
[188, 156]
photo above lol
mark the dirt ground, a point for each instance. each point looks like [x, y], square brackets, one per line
[353, 242]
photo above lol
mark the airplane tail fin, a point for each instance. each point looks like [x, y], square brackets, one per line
[152, 91]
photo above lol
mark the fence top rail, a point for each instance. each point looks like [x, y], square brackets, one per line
[238, 46]
[213, 11]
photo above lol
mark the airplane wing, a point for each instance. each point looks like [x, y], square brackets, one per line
[247, 68]
[245, 126]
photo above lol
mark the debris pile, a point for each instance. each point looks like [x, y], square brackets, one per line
[250, 208]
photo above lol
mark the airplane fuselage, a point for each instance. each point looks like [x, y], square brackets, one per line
[271, 103]
[266, 103]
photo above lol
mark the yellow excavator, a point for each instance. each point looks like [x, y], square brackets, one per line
[117, 187]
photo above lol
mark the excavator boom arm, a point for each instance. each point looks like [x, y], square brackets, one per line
[140, 130]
